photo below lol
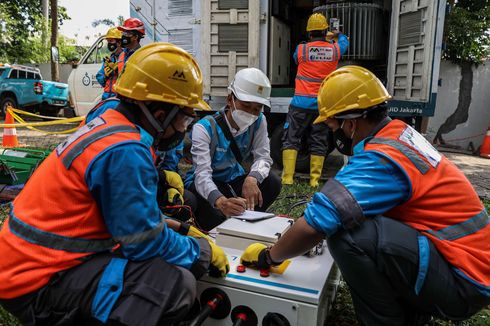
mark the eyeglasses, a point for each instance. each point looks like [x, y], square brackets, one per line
[186, 118]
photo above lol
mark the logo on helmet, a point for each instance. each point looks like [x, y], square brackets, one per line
[179, 75]
[260, 89]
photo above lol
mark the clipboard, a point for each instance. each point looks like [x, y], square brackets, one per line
[253, 216]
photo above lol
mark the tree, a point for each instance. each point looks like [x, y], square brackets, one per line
[20, 21]
[467, 45]
[55, 72]
[106, 21]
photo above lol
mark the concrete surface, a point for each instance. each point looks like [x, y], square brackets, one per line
[476, 169]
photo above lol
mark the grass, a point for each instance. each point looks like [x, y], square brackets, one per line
[342, 313]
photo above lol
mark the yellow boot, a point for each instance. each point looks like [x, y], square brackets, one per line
[288, 165]
[316, 167]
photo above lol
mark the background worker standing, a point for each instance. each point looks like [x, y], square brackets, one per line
[133, 30]
[406, 228]
[220, 146]
[107, 75]
[316, 59]
[93, 247]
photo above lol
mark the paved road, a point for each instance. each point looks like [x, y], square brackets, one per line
[476, 169]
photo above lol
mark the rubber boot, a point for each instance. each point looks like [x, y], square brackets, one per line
[316, 167]
[288, 165]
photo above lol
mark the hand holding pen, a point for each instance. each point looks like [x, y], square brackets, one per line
[231, 206]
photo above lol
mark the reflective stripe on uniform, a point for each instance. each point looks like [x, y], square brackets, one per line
[465, 228]
[80, 147]
[419, 163]
[141, 236]
[54, 241]
[314, 80]
[351, 213]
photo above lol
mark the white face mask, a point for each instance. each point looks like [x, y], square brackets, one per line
[242, 119]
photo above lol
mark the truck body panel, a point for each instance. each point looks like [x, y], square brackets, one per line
[23, 87]
[399, 40]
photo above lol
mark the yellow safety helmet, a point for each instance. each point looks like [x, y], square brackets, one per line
[113, 32]
[349, 88]
[162, 72]
[317, 22]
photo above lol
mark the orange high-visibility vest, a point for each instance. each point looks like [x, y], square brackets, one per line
[121, 61]
[443, 205]
[315, 61]
[54, 222]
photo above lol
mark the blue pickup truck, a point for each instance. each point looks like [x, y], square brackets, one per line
[23, 87]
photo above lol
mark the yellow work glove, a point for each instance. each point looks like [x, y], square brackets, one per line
[174, 181]
[109, 67]
[170, 191]
[257, 255]
[219, 265]
[173, 198]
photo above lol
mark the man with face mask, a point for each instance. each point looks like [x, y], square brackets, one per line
[404, 225]
[133, 30]
[85, 241]
[220, 145]
[108, 73]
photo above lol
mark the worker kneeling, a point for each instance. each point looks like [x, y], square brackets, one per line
[404, 225]
[85, 239]
[222, 143]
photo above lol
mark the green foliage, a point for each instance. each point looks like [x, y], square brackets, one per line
[106, 21]
[468, 31]
[7, 319]
[21, 25]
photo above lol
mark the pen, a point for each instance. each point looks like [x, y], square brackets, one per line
[233, 193]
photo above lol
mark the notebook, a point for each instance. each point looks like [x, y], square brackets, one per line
[252, 216]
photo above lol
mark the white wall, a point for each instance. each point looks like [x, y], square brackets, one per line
[45, 68]
[447, 101]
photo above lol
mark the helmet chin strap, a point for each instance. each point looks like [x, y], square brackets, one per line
[159, 128]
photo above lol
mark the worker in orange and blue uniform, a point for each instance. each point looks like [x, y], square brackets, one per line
[403, 223]
[92, 246]
[107, 75]
[133, 30]
[173, 199]
[316, 59]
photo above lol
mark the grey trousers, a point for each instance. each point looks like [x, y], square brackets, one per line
[299, 124]
[154, 293]
[380, 263]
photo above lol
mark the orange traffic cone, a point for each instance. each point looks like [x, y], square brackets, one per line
[9, 133]
[485, 146]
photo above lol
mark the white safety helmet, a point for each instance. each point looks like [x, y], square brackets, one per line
[251, 85]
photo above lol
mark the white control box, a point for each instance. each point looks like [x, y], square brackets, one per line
[302, 294]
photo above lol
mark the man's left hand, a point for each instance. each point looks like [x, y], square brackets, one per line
[252, 193]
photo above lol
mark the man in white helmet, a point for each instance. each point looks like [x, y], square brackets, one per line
[220, 145]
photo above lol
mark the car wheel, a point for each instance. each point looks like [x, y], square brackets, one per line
[5, 102]
[50, 111]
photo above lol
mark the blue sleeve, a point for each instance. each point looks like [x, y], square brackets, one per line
[343, 43]
[295, 55]
[173, 157]
[123, 181]
[108, 104]
[100, 76]
[377, 183]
